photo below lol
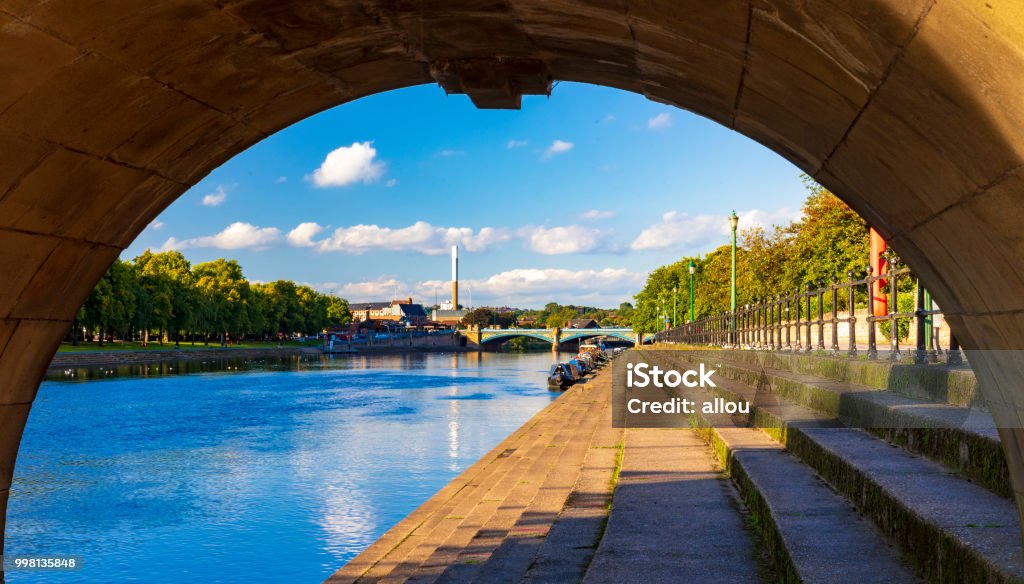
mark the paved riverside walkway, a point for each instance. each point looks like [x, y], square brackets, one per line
[535, 508]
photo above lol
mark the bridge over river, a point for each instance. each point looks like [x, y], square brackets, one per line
[555, 336]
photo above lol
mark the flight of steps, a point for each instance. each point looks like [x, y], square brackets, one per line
[923, 493]
[533, 509]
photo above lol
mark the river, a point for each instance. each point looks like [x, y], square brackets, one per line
[262, 471]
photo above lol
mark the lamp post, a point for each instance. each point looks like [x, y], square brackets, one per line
[693, 268]
[733, 222]
[675, 305]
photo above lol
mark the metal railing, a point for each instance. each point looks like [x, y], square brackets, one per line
[785, 322]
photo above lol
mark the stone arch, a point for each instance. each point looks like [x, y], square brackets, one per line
[575, 335]
[908, 109]
[501, 338]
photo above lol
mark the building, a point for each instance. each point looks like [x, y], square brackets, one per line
[448, 317]
[582, 323]
[403, 309]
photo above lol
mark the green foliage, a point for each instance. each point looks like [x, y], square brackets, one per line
[163, 292]
[560, 317]
[555, 315]
[485, 317]
[828, 240]
[905, 302]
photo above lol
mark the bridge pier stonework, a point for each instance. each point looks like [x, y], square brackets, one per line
[909, 110]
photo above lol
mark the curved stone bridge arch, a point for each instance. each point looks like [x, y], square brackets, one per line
[577, 334]
[512, 334]
[907, 109]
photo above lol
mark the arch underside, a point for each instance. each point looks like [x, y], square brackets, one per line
[907, 109]
[507, 337]
[566, 337]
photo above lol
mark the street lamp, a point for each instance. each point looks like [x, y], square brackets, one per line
[693, 268]
[733, 222]
[675, 305]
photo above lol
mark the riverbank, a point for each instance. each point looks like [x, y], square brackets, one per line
[75, 360]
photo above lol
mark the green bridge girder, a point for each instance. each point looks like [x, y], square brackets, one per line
[548, 335]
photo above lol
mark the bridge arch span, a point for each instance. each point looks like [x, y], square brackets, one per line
[907, 109]
[501, 338]
[573, 335]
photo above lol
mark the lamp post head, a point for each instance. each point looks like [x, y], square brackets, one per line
[733, 220]
[692, 266]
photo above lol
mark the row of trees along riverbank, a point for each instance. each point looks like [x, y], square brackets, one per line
[551, 316]
[163, 295]
[829, 239]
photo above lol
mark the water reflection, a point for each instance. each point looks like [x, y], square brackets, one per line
[262, 471]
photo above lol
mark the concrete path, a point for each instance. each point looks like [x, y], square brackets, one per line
[675, 517]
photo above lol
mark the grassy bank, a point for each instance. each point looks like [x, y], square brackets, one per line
[83, 347]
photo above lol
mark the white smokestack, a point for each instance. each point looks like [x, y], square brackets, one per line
[455, 277]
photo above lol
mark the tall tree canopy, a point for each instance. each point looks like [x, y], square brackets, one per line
[829, 239]
[163, 293]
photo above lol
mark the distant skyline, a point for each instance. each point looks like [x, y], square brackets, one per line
[574, 199]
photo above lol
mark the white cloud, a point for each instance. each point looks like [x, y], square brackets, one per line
[595, 214]
[561, 240]
[281, 179]
[533, 287]
[382, 288]
[448, 153]
[391, 182]
[235, 236]
[608, 118]
[303, 234]
[216, 198]
[516, 144]
[522, 287]
[680, 229]
[660, 121]
[558, 147]
[348, 165]
[419, 237]
[155, 225]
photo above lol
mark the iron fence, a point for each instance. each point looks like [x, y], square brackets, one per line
[785, 322]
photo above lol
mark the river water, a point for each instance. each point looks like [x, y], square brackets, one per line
[263, 471]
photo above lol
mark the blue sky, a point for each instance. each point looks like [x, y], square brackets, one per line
[572, 199]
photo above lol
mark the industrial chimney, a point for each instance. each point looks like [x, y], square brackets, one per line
[455, 277]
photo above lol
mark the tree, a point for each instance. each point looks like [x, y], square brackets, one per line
[110, 307]
[559, 317]
[337, 311]
[164, 292]
[828, 240]
[167, 279]
[485, 317]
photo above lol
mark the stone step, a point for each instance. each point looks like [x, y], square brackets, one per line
[431, 540]
[811, 533]
[440, 504]
[472, 546]
[936, 383]
[572, 541]
[452, 529]
[520, 549]
[963, 439]
[950, 529]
